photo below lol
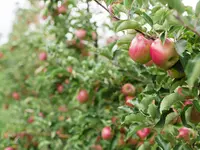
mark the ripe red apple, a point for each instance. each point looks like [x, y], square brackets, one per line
[184, 133]
[121, 141]
[1, 55]
[128, 89]
[80, 34]
[143, 133]
[122, 130]
[106, 133]
[111, 39]
[62, 108]
[67, 81]
[114, 119]
[164, 55]
[132, 141]
[96, 147]
[83, 96]
[62, 9]
[60, 88]
[139, 49]
[31, 119]
[41, 114]
[128, 99]
[188, 102]
[9, 148]
[70, 69]
[94, 35]
[184, 92]
[61, 118]
[15, 95]
[43, 56]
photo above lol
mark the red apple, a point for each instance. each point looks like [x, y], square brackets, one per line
[60, 88]
[121, 141]
[80, 34]
[106, 133]
[132, 141]
[184, 92]
[31, 119]
[128, 89]
[61, 118]
[43, 56]
[114, 119]
[184, 133]
[83, 96]
[70, 69]
[139, 49]
[41, 114]
[128, 99]
[96, 147]
[111, 39]
[94, 35]
[122, 130]
[62, 108]
[67, 81]
[188, 102]
[1, 55]
[164, 55]
[9, 148]
[15, 95]
[62, 9]
[143, 133]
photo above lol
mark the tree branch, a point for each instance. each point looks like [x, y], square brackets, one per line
[107, 10]
[148, 36]
[185, 25]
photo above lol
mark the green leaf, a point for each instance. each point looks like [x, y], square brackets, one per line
[197, 105]
[133, 129]
[170, 117]
[126, 39]
[169, 100]
[148, 19]
[183, 116]
[134, 118]
[128, 3]
[161, 122]
[43, 143]
[193, 70]
[144, 146]
[146, 101]
[197, 10]
[153, 111]
[128, 24]
[180, 46]
[176, 4]
[163, 36]
[162, 143]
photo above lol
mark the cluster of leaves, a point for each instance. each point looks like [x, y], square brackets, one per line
[49, 117]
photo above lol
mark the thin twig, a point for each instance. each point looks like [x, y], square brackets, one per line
[185, 25]
[119, 19]
[107, 10]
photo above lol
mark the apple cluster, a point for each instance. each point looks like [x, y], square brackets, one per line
[164, 55]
